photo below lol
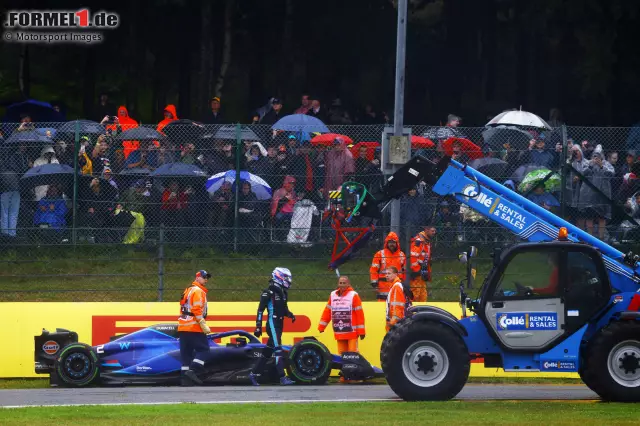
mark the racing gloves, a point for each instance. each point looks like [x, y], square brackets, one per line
[257, 332]
[203, 325]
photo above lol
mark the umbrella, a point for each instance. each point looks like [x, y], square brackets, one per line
[469, 148]
[492, 167]
[442, 133]
[418, 142]
[140, 134]
[328, 138]
[519, 118]
[514, 136]
[300, 123]
[184, 130]
[86, 127]
[522, 171]
[258, 185]
[228, 132]
[534, 177]
[371, 148]
[39, 111]
[47, 174]
[178, 170]
[30, 138]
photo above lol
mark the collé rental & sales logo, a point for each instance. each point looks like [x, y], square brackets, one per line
[71, 26]
[527, 321]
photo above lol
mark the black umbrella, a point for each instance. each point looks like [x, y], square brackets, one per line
[29, 138]
[184, 130]
[497, 136]
[228, 132]
[140, 134]
[524, 170]
[85, 127]
[495, 168]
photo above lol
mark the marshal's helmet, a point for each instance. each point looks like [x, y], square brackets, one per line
[282, 277]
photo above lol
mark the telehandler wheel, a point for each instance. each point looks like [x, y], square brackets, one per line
[612, 362]
[424, 360]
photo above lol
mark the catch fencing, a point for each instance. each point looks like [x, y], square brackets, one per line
[110, 213]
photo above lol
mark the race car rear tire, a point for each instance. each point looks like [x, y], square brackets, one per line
[612, 362]
[77, 365]
[309, 363]
[424, 360]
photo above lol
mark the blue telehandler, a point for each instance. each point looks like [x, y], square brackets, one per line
[559, 301]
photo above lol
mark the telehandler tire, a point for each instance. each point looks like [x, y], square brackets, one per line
[424, 360]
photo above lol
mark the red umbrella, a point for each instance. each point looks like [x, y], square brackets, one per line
[472, 150]
[418, 142]
[371, 148]
[328, 138]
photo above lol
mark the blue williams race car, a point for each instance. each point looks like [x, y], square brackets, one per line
[151, 356]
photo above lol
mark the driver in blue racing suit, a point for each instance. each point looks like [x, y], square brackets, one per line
[274, 299]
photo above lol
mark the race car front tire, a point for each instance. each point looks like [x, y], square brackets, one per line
[77, 365]
[309, 363]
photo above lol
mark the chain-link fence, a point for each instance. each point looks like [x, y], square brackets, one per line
[129, 212]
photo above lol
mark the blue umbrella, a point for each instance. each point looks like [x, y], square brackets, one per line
[228, 132]
[39, 111]
[47, 174]
[300, 123]
[258, 185]
[29, 138]
[86, 127]
[178, 170]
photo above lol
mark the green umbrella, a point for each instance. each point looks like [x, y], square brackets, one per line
[532, 179]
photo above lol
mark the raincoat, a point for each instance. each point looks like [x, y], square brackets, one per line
[600, 177]
[384, 259]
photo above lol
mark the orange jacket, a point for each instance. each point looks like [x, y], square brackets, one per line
[344, 309]
[126, 123]
[174, 116]
[193, 307]
[421, 253]
[397, 303]
[385, 258]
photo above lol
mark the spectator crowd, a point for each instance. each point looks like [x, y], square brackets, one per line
[121, 199]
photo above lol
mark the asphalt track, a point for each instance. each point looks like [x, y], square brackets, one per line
[275, 394]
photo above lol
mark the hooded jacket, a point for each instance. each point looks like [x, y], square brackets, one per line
[126, 123]
[174, 116]
[384, 259]
[344, 309]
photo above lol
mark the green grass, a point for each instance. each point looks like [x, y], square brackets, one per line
[36, 383]
[125, 273]
[365, 413]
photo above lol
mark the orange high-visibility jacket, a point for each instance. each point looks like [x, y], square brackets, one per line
[193, 307]
[385, 258]
[421, 253]
[397, 303]
[344, 309]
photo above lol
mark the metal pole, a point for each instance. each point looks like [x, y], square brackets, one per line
[398, 109]
[76, 152]
[161, 263]
[564, 170]
[237, 191]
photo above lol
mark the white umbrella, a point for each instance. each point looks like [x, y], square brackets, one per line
[519, 118]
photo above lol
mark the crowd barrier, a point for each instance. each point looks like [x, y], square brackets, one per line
[95, 322]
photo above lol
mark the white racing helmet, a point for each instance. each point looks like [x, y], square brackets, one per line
[282, 277]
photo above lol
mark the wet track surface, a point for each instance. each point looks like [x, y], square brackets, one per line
[248, 394]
